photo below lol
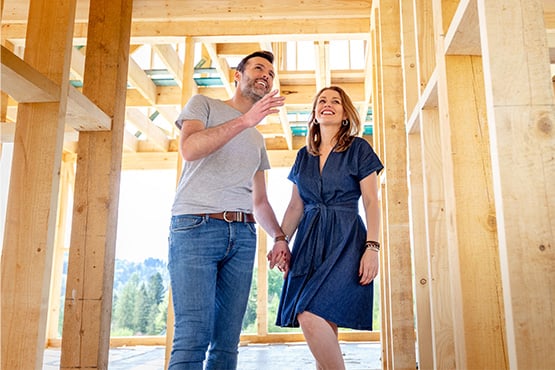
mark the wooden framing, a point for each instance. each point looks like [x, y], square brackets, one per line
[30, 222]
[398, 336]
[88, 303]
[463, 120]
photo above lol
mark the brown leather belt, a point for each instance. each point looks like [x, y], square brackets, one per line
[231, 216]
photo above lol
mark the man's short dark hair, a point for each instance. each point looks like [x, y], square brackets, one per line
[261, 53]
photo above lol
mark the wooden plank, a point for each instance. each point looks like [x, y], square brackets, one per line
[84, 115]
[463, 36]
[321, 54]
[154, 134]
[401, 323]
[87, 312]
[187, 91]
[67, 179]
[442, 14]
[439, 273]
[214, 9]
[169, 56]
[297, 94]
[425, 42]
[521, 115]
[410, 55]
[140, 81]
[262, 279]
[377, 102]
[246, 339]
[240, 31]
[27, 85]
[484, 333]
[33, 193]
[419, 244]
[23, 82]
[428, 100]
[223, 69]
[283, 118]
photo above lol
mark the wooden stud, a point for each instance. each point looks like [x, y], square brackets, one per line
[521, 119]
[402, 336]
[88, 304]
[33, 192]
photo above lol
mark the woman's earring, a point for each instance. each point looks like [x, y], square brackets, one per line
[345, 122]
[315, 121]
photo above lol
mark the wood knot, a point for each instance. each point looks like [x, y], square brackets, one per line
[545, 124]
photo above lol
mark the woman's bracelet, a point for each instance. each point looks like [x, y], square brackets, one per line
[372, 245]
[284, 237]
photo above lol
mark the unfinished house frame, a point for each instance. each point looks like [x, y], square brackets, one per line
[463, 117]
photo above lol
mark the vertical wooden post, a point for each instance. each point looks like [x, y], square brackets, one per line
[377, 136]
[187, 91]
[394, 153]
[421, 281]
[521, 120]
[262, 281]
[88, 305]
[67, 179]
[436, 241]
[473, 272]
[33, 193]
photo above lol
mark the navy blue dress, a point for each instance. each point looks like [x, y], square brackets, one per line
[323, 277]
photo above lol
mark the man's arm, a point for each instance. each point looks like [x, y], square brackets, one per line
[197, 142]
[266, 217]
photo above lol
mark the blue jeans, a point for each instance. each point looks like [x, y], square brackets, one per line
[210, 263]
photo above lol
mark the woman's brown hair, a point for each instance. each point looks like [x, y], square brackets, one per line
[348, 130]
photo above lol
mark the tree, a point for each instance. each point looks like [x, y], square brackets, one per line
[155, 288]
[125, 305]
[142, 310]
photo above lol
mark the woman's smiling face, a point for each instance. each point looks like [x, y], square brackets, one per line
[329, 107]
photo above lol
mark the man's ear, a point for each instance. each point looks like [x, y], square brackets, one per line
[236, 77]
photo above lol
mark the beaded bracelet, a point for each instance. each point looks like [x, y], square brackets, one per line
[372, 245]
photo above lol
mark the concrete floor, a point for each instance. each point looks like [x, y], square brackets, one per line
[295, 356]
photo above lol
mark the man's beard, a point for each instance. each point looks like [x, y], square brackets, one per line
[253, 93]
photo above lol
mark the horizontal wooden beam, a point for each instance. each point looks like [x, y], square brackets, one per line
[24, 83]
[149, 340]
[27, 85]
[83, 115]
[215, 31]
[168, 160]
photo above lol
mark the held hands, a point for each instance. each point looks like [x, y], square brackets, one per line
[264, 107]
[369, 266]
[280, 256]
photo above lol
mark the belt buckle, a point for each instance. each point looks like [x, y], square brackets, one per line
[230, 221]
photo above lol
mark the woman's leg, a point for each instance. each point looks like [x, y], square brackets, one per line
[321, 337]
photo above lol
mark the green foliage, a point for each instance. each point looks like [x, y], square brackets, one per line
[140, 298]
[249, 320]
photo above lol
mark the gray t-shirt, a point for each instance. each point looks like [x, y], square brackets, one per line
[221, 181]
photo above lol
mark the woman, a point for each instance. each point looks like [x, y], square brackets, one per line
[328, 281]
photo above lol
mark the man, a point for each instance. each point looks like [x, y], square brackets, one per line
[212, 240]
